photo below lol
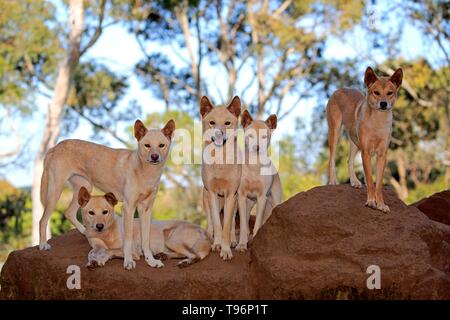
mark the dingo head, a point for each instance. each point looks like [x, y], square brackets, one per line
[382, 91]
[153, 144]
[97, 212]
[218, 122]
[257, 132]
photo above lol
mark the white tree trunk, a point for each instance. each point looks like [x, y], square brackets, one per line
[56, 108]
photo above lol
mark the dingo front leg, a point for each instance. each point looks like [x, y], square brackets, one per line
[381, 163]
[369, 180]
[145, 215]
[260, 206]
[243, 233]
[215, 214]
[128, 215]
[230, 201]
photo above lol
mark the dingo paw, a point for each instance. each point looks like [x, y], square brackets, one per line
[129, 264]
[152, 262]
[44, 246]
[225, 253]
[371, 204]
[241, 247]
[383, 207]
[184, 263]
[356, 184]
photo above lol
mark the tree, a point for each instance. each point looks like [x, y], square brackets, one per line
[267, 50]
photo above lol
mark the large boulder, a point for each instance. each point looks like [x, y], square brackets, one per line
[318, 244]
[34, 274]
[436, 207]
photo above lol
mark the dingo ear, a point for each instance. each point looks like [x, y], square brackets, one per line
[139, 130]
[168, 129]
[369, 77]
[246, 119]
[397, 77]
[205, 106]
[111, 198]
[272, 122]
[83, 197]
[235, 106]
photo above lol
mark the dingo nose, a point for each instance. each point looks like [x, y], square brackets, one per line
[99, 226]
[154, 157]
[257, 148]
[383, 104]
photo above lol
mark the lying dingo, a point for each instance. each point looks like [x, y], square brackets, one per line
[168, 239]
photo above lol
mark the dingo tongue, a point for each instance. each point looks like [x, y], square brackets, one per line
[218, 138]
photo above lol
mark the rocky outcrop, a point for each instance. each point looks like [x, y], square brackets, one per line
[436, 207]
[318, 244]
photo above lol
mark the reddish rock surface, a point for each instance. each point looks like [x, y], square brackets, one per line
[436, 207]
[318, 244]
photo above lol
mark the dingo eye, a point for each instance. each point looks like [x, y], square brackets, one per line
[147, 145]
[390, 93]
[105, 211]
[91, 213]
[227, 123]
[162, 145]
[212, 123]
[264, 137]
[377, 93]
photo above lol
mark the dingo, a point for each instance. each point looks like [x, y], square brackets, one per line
[132, 175]
[368, 122]
[220, 178]
[257, 186]
[168, 239]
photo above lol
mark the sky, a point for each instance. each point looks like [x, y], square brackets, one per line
[120, 52]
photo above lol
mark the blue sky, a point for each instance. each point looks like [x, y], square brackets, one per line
[120, 52]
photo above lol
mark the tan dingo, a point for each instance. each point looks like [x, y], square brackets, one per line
[368, 122]
[221, 177]
[132, 175]
[168, 239]
[260, 183]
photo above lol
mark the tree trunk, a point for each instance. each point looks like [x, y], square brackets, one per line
[56, 108]
[401, 186]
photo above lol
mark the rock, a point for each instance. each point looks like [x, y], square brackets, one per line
[436, 207]
[34, 274]
[318, 244]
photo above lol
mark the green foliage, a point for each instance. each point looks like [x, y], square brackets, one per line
[423, 190]
[29, 50]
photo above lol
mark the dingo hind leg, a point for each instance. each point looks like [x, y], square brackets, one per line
[355, 183]
[54, 189]
[334, 119]
[71, 212]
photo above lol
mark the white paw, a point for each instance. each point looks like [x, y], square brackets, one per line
[129, 264]
[333, 182]
[44, 246]
[152, 262]
[356, 184]
[225, 253]
[383, 207]
[371, 204]
[241, 247]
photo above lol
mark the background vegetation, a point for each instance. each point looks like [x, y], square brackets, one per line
[279, 56]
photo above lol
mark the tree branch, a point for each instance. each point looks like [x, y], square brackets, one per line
[98, 30]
